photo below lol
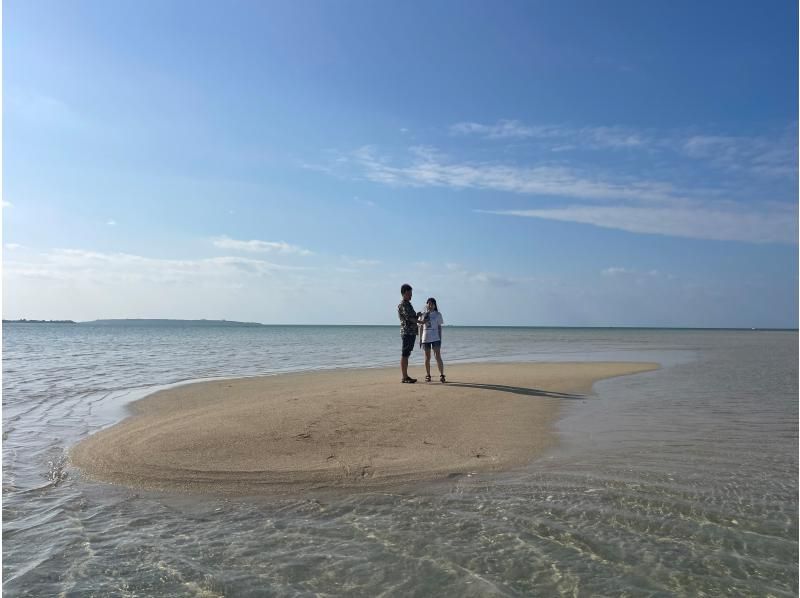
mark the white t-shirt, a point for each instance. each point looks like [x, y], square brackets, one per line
[430, 329]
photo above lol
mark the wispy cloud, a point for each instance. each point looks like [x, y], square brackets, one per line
[562, 137]
[758, 155]
[7, 204]
[503, 129]
[360, 262]
[723, 221]
[42, 109]
[616, 195]
[482, 277]
[428, 168]
[13, 246]
[257, 246]
[112, 223]
[113, 268]
[615, 271]
[768, 155]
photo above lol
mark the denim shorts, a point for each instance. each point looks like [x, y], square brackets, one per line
[408, 343]
[434, 344]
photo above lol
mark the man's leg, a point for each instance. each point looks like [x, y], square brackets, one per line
[408, 346]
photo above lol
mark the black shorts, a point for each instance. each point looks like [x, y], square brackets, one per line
[408, 343]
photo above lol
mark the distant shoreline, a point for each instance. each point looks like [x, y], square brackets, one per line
[233, 323]
[24, 321]
[139, 322]
[168, 322]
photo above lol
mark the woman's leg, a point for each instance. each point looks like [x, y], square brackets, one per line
[437, 351]
[427, 360]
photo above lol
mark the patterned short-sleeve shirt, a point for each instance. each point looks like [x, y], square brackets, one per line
[408, 318]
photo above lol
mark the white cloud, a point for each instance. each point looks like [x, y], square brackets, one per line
[616, 271]
[764, 155]
[427, 169]
[260, 246]
[466, 275]
[758, 155]
[359, 262]
[13, 246]
[113, 268]
[563, 137]
[43, 110]
[619, 271]
[613, 137]
[365, 202]
[503, 129]
[621, 202]
[7, 204]
[112, 223]
[723, 221]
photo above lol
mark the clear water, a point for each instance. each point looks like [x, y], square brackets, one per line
[679, 482]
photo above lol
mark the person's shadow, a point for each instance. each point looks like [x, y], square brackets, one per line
[518, 390]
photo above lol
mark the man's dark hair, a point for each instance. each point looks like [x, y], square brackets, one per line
[405, 288]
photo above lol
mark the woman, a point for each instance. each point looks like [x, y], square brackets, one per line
[431, 337]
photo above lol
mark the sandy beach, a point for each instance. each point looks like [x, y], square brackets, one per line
[347, 429]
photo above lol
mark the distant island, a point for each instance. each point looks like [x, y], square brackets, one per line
[138, 322]
[24, 321]
[167, 322]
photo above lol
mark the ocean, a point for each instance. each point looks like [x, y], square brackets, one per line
[677, 482]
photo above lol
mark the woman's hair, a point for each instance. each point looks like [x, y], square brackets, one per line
[432, 300]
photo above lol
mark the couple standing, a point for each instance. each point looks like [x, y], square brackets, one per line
[430, 324]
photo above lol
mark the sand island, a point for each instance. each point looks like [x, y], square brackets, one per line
[348, 429]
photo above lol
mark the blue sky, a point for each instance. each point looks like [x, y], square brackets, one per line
[526, 163]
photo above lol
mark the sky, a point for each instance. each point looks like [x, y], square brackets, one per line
[572, 163]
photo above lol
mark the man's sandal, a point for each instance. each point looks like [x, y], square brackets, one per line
[409, 380]
[441, 379]
[428, 378]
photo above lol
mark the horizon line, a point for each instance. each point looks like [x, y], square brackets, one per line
[546, 326]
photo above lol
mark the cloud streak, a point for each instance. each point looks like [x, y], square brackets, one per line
[72, 265]
[771, 156]
[597, 197]
[429, 170]
[757, 155]
[257, 246]
[722, 221]
[565, 137]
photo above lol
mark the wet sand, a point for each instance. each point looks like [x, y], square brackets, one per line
[342, 429]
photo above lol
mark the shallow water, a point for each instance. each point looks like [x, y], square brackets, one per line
[681, 481]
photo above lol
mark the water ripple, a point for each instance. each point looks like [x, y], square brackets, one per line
[677, 482]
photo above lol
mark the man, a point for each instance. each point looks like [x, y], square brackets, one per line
[408, 330]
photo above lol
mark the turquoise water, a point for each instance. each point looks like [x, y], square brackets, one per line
[677, 482]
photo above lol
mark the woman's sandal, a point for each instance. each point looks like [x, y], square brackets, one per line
[409, 380]
[441, 379]
[428, 378]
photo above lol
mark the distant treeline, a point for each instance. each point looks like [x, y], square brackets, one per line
[24, 321]
[138, 322]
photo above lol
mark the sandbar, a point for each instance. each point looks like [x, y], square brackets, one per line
[339, 429]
